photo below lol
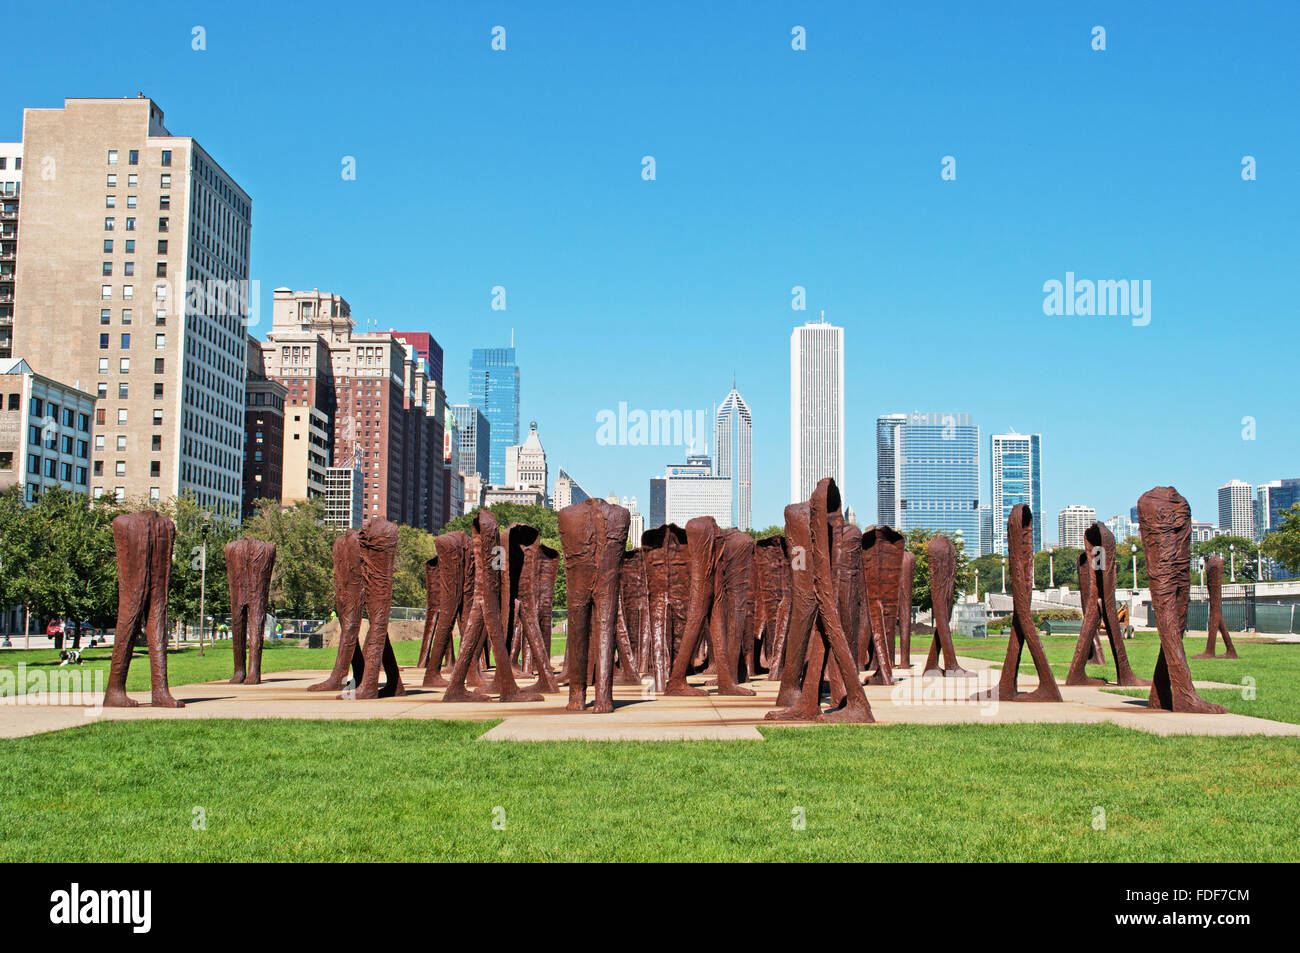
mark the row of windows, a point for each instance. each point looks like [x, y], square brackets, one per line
[110, 223]
[133, 180]
[124, 365]
[106, 316]
[40, 408]
[133, 157]
[51, 467]
[159, 340]
[164, 201]
[128, 269]
[47, 438]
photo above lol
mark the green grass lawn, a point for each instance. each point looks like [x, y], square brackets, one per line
[1274, 668]
[426, 790]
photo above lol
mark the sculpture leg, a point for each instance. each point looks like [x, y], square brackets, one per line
[805, 676]
[1083, 648]
[884, 674]
[701, 605]
[160, 559]
[1047, 691]
[1230, 649]
[348, 596]
[378, 554]
[471, 642]
[627, 672]
[131, 600]
[238, 622]
[575, 649]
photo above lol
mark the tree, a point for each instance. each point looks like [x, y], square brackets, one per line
[545, 520]
[1063, 568]
[765, 533]
[1283, 543]
[414, 547]
[1124, 563]
[190, 585]
[302, 584]
[917, 541]
[1243, 556]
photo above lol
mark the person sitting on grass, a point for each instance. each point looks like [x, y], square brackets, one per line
[69, 657]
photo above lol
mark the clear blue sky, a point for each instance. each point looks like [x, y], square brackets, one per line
[775, 168]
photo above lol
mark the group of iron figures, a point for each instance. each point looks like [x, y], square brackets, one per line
[823, 608]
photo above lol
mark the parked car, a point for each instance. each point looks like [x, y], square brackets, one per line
[55, 627]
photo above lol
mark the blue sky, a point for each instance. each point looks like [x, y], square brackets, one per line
[775, 168]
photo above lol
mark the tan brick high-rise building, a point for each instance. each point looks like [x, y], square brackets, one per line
[120, 222]
[11, 187]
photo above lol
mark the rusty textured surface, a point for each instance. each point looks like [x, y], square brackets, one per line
[378, 556]
[906, 579]
[593, 537]
[143, 541]
[1020, 567]
[453, 554]
[941, 558]
[772, 601]
[349, 596]
[667, 574]
[882, 573]
[249, 564]
[1216, 626]
[1097, 596]
[432, 596]
[1165, 521]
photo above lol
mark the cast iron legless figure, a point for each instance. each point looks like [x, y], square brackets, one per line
[455, 596]
[593, 535]
[729, 620]
[705, 547]
[378, 556]
[906, 578]
[1097, 594]
[634, 609]
[1165, 521]
[143, 541]
[431, 598]
[525, 569]
[668, 584]
[1020, 562]
[1088, 592]
[1214, 582]
[882, 568]
[816, 635]
[349, 594]
[249, 563]
[772, 601]
[941, 557]
[848, 577]
[486, 622]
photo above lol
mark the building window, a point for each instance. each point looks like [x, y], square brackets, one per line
[110, 201]
[83, 423]
[133, 157]
[166, 157]
[101, 416]
[130, 246]
[103, 342]
[132, 180]
[166, 180]
[126, 315]
[108, 245]
[162, 246]
[124, 365]
[126, 342]
[106, 269]
[161, 270]
[158, 365]
[105, 315]
[130, 201]
[121, 416]
[155, 468]
[112, 157]
[103, 365]
[119, 468]
[162, 223]
[157, 418]
[155, 442]
[164, 202]
[159, 342]
[108, 224]
[112, 180]
[130, 224]
[128, 269]
[128, 292]
[122, 390]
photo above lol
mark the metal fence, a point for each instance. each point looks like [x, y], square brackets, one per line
[1246, 615]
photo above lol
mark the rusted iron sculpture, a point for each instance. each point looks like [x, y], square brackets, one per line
[848, 591]
[520, 597]
[772, 601]
[1097, 596]
[1214, 582]
[706, 546]
[249, 563]
[143, 541]
[486, 623]
[815, 630]
[593, 535]
[906, 578]
[883, 549]
[729, 621]
[455, 596]
[432, 595]
[1020, 562]
[378, 556]
[634, 609]
[349, 594]
[668, 584]
[548, 567]
[941, 557]
[1165, 521]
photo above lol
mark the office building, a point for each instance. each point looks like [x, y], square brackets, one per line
[494, 389]
[46, 432]
[658, 502]
[473, 491]
[1272, 501]
[1072, 522]
[343, 497]
[426, 348]
[692, 490]
[11, 187]
[526, 463]
[887, 427]
[939, 476]
[636, 522]
[1015, 467]
[986, 529]
[1203, 532]
[1237, 508]
[520, 495]
[568, 491]
[1122, 527]
[816, 407]
[263, 433]
[132, 278]
[733, 454]
[474, 447]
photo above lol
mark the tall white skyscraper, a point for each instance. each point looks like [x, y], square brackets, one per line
[733, 454]
[887, 448]
[816, 407]
[1016, 469]
[1072, 522]
[1237, 508]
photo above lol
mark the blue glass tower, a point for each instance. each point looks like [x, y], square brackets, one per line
[1016, 465]
[494, 389]
[938, 476]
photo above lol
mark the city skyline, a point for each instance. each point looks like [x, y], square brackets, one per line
[910, 311]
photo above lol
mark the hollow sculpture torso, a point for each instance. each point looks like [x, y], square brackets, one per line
[143, 541]
[849, 592]
[349, 593]
[454, 581]
[1097, 595]
[667, 575]
[1165, 521]
[634, 610]
[882, 569]
[906, 577]
[1020, 564]
[941, 557]
[548, 566]
[772, 600]
[1214, 582]
[729, 620]
[524, 548]
[431, 598]
[1088, 592]
[815, 631]
[378, 557]
[249, 563]
[593, 536]
[486, 618]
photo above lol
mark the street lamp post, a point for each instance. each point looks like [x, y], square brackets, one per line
[1004, 575]
[203, 582]
[1051, 570]
[1133, 547]
[1200, 564]
[1232, 555]
[1259, 562]
[977, 585]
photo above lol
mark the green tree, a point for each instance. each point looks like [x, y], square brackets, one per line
[1283, 543]
[765, 533]
[414, 547]
[302, 585]
[1233, 549]
[189, 584]
[917, 541]
[1124, 563]
[1063, 568]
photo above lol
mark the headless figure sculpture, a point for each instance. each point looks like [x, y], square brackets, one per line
[431, 598]
[593, 535]
[882, 567]
[816, 634]
[729, 621]
[525, 568]
[772, 599]
[1097, 593]
[455, 595]
[1165, 521]
[906, 578]
[1214, 582]
[941, 557]
[1020, 561]
[665, 571]
[143, 541]
[249, 563]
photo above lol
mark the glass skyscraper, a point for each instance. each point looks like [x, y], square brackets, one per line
[887, 427]
[1016, 467]
[733, 454]
[494, 389]
[938, 476]
[473, 435]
